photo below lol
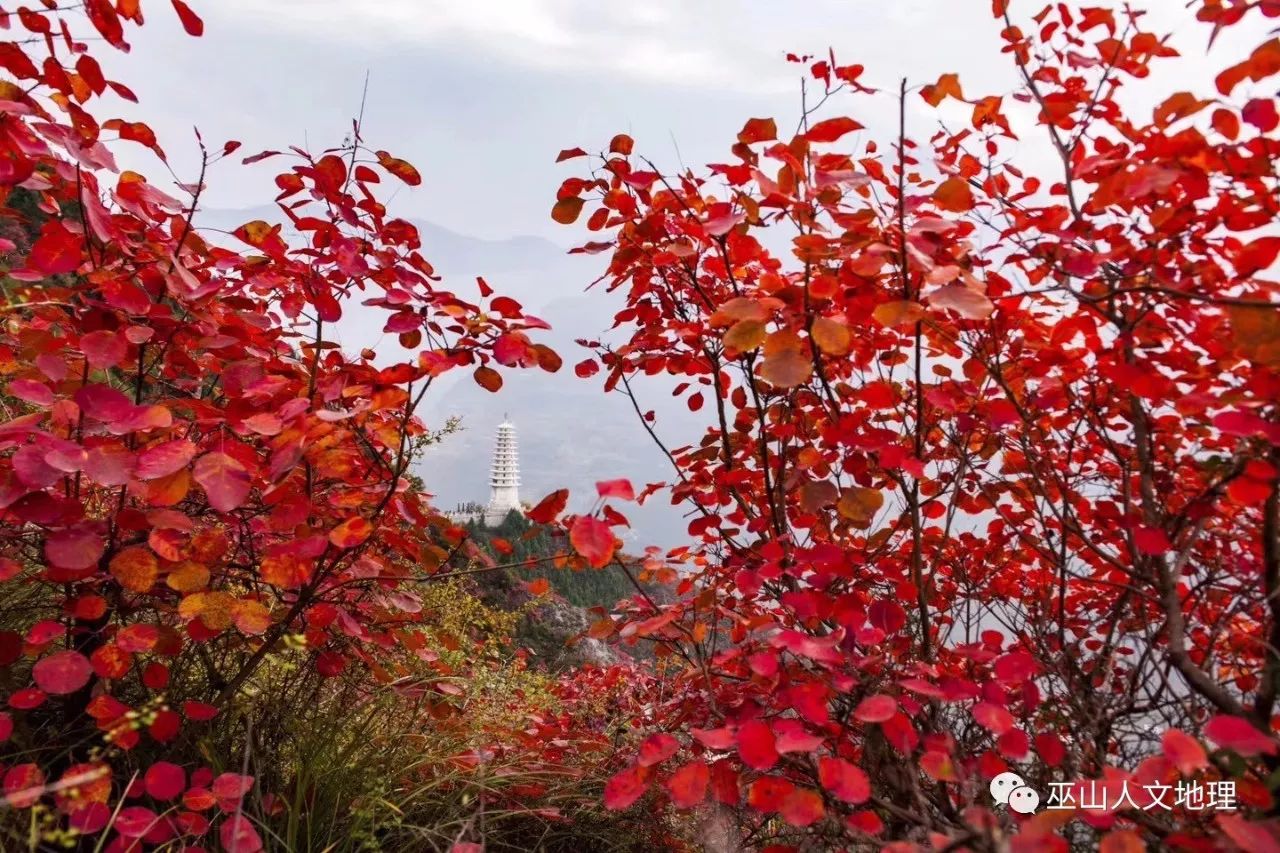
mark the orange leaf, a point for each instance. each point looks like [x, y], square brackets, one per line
[962, 299]
[539, 586]
[954, 195]
[758, 130]
[898, 313]
[400, 168]
[188, 576]
[860, 505]
[831, 336]
[211, 608]
[251, 617]
[786, 369]
[488, 378]
[621, 144]
[948, 85]
[351, 532]
[136, 568]
[566, 210]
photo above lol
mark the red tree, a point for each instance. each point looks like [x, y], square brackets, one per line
[192, 475]
[989, 482]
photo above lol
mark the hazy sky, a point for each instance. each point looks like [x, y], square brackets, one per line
[482, 94]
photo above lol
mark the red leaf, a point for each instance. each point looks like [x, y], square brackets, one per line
[586, 368]
[1255, 837]
[199, 711]
[657, 748]
[23, 785]
[57, 252]
[161, 460]
[876, 709]
[549, 507]
[1261, 113]
[1238, 735]
[593, 539]
[620, 489]
[756, 745]
[831, 129]
[802, 807]
[688, 785]
[570, 153]
[992, 717]
[103, 349]
[625, 788]
[164, 781]
[62, 672]
[238, 835]
[792, 736]
[1150, 540]
[74, 548]
[714, 738]
[223, 479]
[844, 780]
[103, 403]
[1184, 751]
[758, 130]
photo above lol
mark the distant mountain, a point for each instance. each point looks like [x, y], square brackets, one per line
[570, 433]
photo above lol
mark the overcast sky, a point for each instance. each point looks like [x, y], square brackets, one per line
[482, 94]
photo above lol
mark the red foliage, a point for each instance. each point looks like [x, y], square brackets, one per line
[190, 471]
[989, 481]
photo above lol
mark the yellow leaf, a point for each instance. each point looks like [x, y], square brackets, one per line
[899, 313]
[745, 336]
[188, 576]
[831, 336]
[211, 608]
[860, 505]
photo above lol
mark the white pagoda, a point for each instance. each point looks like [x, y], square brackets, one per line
[504, 476]
[504, 482]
